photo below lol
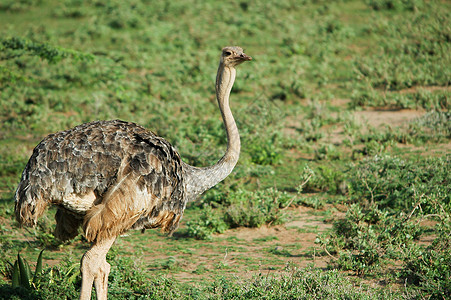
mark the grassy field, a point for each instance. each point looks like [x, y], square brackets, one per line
[343, 186]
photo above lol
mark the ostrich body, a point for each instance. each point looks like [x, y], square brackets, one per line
[112, 176]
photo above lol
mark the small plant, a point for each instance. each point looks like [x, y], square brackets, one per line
[170, 263]
[280, 251]
[19, 46]
[329, 152]
[22, 275]
[433, 126]
[436, 100]
[19, 5]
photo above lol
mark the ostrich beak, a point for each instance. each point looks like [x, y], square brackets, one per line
[245, 57]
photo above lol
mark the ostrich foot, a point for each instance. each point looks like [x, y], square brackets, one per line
[101, 281]
[95, 269]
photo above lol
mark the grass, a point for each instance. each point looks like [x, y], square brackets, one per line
[324, 198]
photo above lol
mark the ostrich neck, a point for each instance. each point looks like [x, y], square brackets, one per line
[224, 84]
[198, 180]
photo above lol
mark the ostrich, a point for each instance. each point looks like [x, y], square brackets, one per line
[112, 176]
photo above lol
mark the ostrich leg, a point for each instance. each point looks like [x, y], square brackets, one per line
[95, 269]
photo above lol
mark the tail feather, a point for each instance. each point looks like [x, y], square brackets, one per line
[29, 205]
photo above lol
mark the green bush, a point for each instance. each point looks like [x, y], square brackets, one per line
[18, 5]
[329, 152]
[429, 267]
[127, 279]
[305, 283]
[264, 152]
[329, 178]
[409, 5]
[401, 184]
[365, 240]
[253, 209]
[241, 209]
[17, 46]
[432, 126]
[430, 100]
[209, 222]
[392, 196]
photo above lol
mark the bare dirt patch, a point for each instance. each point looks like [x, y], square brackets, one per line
[391, 117]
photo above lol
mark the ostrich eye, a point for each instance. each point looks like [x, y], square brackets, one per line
[227, 53]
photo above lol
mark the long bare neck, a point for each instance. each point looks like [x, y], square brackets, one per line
[198, 180]
[224, 83]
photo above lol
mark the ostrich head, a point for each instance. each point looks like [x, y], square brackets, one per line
[233, 56]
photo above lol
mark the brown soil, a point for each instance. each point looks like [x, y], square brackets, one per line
[387, 117]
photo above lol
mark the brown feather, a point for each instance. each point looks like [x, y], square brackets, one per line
[128, 170]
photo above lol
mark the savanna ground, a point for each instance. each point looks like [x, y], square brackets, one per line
[343, 186]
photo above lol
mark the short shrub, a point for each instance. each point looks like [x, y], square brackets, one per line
[408, 5]
[328, 178]
[366, 239]
[242, 208]
[20, 5]
[305, 283]
[253, 209]
[425, 99]
[329, 152]
[312, 201]
[430, 267]
[209, 222]
[265, 152]
[399, 184]
[127, 279]
[60, 282]
[432, 126]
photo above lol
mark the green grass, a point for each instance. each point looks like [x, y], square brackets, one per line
[317, 67]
